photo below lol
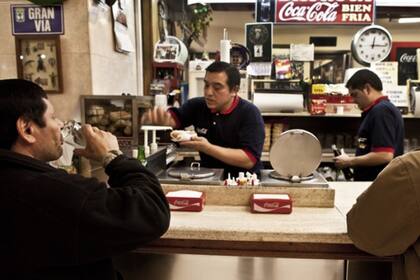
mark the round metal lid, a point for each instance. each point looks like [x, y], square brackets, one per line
[297, 152]
[192, 172]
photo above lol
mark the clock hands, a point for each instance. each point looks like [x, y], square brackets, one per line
[373, 43]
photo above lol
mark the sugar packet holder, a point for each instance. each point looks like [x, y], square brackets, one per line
[186, 200]
[271, 203]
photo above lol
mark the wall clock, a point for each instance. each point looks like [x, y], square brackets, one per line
[371, 44]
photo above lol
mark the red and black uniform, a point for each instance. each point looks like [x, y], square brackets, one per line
[381, 130]
[239, 127]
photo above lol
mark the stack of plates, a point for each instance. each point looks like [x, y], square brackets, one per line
[267, 140]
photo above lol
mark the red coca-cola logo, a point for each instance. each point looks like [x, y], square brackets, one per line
[408, 58]
[179, 202]
[317, 12]
[271, 205]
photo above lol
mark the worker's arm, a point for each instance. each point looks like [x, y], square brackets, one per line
[370, 159]
[158, 116]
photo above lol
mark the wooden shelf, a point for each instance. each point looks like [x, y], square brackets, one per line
[328, 115]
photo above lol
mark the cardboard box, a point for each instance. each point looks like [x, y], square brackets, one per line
[186, 200]
[271, 203]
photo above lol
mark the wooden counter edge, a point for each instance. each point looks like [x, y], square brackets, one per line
[258, 249]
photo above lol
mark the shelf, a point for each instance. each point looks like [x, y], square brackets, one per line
[306, 114]
[328, 115]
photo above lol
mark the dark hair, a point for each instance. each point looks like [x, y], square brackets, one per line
[363, 77]
[233, 77]
[19, 98]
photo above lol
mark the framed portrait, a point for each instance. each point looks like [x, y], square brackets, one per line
[38, 59]
[405, 54]
[330, 67]
[259, 41]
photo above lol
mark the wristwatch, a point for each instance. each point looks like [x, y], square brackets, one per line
[110, 156]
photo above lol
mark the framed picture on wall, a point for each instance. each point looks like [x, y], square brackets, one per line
[259, 41]
[38, 59]
[405, 54]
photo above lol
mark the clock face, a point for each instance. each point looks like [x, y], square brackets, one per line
[371, 44]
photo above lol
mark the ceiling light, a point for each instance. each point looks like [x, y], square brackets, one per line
[409, 20]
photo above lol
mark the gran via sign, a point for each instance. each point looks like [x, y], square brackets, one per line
[37, 20]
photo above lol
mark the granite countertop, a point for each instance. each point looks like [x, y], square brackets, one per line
[239, 196]
[237, 223]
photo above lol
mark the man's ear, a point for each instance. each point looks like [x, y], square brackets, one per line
[235, 90]
[368, 88]
[25, 130]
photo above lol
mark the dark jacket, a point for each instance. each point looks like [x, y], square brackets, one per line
[60, 226]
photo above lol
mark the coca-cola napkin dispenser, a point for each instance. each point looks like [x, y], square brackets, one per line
[186, 200]
[271, 203]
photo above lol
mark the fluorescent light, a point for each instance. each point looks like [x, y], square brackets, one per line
[401, 3]
[409, 20]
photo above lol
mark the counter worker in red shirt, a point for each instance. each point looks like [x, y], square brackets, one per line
[381, 133]
[230, 129]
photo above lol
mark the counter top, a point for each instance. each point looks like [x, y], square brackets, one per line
[236, 223]
[233, 230]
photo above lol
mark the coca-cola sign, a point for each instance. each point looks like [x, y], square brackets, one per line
[405, 54]
[408, 58]
[325, 11]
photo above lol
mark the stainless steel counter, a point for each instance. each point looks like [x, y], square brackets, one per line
[266, 180]
[216, 179]
[317, 181]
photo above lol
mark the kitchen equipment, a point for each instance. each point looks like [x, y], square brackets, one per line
[294, 158]
[315, 181]
[193, 174]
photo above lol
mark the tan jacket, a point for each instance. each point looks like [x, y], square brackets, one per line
[385, 221]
